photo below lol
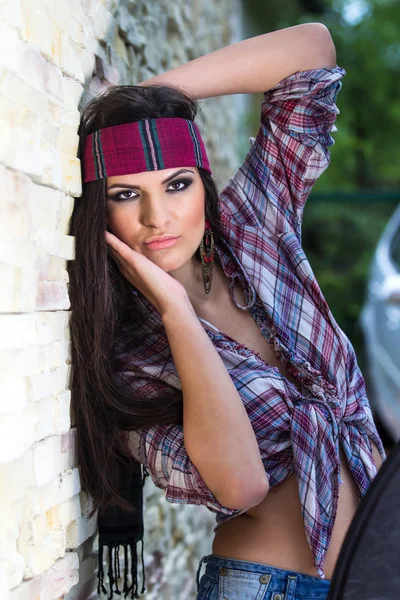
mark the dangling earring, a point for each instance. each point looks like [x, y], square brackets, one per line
[207, 256]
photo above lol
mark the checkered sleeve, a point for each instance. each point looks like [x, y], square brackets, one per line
[162, 450]
[289, 152]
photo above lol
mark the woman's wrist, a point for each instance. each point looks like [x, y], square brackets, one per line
[179, 307]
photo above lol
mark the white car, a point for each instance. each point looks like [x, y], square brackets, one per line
[380, 323]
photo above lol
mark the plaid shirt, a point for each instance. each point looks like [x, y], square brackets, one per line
[297, 432]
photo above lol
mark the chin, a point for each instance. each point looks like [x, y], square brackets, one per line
[168, 263]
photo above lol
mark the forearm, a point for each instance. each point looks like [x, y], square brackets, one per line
[253, 65]
[218, 435]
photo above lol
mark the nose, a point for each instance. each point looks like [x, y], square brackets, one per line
[155, 212]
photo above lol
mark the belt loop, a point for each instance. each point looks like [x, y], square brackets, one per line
[204, 559]
[291, 587]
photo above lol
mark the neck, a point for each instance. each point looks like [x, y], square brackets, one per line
[191, 277]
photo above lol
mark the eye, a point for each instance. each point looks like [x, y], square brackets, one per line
[121, 196]
[185, 182]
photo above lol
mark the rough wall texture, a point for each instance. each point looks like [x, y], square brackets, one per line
[54, 56]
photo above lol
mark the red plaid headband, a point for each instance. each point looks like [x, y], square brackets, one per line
[147, 145]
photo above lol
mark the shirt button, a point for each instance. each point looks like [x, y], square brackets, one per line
[277, 597]
[223, 571]
[265, 578]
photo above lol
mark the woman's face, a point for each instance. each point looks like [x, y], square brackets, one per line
[155, 203]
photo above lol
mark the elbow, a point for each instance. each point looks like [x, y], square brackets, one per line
[243, 497]
[325, 46]
[321, 46]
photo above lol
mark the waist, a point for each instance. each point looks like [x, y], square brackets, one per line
[273, 531]
[269, 533]
[274, 578]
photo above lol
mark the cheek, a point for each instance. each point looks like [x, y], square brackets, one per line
[193, 215]
[122, 222]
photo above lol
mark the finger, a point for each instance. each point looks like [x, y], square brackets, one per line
[112, 248]
[116, 258]
[109, 237]
[113, 252]
[124, 267]
[112, 241]
[119, 246]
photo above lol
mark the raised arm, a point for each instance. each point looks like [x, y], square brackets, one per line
[253, 65]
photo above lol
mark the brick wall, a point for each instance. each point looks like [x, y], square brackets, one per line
[54, 56]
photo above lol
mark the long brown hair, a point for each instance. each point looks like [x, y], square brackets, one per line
[103, 307]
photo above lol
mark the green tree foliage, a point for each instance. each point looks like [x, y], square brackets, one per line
[339, 240]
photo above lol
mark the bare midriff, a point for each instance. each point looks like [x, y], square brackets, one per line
[273, 531]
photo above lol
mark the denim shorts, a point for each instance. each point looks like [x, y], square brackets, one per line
[232, 579]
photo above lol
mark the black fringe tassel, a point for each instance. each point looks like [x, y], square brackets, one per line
[114, 568]
[114, 571]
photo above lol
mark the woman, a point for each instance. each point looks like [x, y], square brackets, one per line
[216, 352]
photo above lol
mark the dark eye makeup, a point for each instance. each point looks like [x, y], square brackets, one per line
[120, 197]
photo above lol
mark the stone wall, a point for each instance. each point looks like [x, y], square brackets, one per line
[54, 56]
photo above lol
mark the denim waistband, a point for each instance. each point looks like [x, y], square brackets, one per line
[305, 585]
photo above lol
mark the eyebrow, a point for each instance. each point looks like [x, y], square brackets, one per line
[125, 185]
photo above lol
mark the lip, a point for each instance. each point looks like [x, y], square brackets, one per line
[162, 243]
